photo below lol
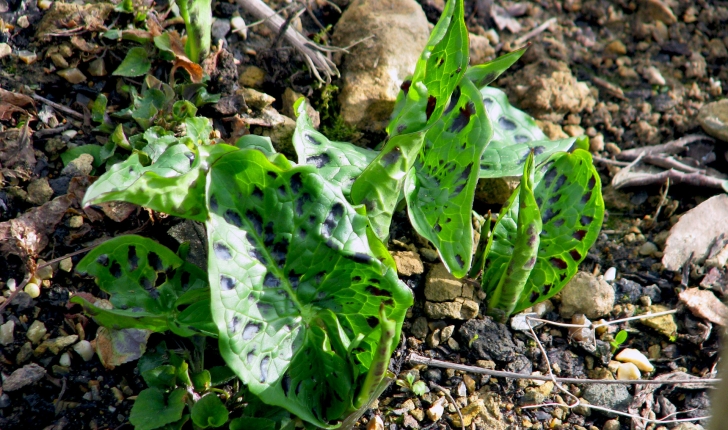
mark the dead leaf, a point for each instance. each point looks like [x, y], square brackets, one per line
[11, 103]
[116, 347]
[118, 211]
[27, 235]
[704, 304]
[26, 375]
[68, 18]
[16, 148]
[181, 60]
[503, 19]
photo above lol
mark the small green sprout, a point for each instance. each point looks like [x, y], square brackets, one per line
[417, 387]
[619, 339]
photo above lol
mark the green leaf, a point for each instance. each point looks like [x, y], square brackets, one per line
[515, 268]
[441, 187]
[515, 135]
[572, 210]
[221, 375]
[479, 259]
[136, 63]
[419, 388]
[209, 412]
[175, 184]
[252, 141]
[423, 99]
[247, 423]
[151, 410]
[144, 280]
[292, 282]
[182, 110]
[162, 377]
[483, 74]
[338, 162]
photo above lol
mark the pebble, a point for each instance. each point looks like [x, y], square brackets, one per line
[616, 47]
[596, 143]
[55, 345]
[713, 117]
[612, 148]
[446, 333]
[429, 254]
[220, 28]
[26, 351]
[4, 401]
[419, 328]
[27, 57]
[435, 411]
[65, 359]
[5, 50]
[610, 274]
[441, 285]
[66, 265]
[238, 25]
[653, 76]
[631, 355]
[72, 75]
[588, 295]
[252, 77]
[36, 331]
[80, 166]
[445, 310]
[75, 221]
[628, 372]
[32, 289]
[26, 375]
[97, 68]
[611, 425]
[453, 344]
[648, 249]
[664, 324]
[7, 333]
[84, 349]
[615, 397]
[408, 263]
[39, 191]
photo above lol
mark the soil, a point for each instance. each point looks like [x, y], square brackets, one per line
[646, 67]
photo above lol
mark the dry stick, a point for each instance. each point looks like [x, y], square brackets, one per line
[608, 161]
[57, 106]
[676, 177]
[663, 200]
[52, 131]
[418, 359]
[673, 147]
[311, 52]
[533, 33]
[449, 397]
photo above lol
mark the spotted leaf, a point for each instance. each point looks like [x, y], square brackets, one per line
[515, 135]
[568, 192]
[293, 282]
[148, 286]
[483, 74]
[340, 163]
[441, 187]
[513, 269]
[423, 100]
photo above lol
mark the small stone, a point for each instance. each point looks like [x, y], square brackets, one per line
[26, 375]
[80, 166]
[408, 263]
[32, 289]
[418, 414]
[5, 401]
[583, 408]
[410, 422]
[453, 344]
[433, 340]
[65, 359]
[612, 148]
[435, 412]
[220, 28]
[36, 331]
[654, 351]
[441, 285]
[66, 265]
[59, 61]
[656, 10]
[588, 295]
[628, 372]
[653, 76]
[631, 355]
[290, 97]
[7, 335]
[610, 274]
[546, 388]
[469, 309]
[252, 77]
[574, 130]
[256, 99]
[446, 333]
[26, 351]
[462, 390]
[55, 345]
[75, 221]
[664, 324]
[419, 328]
[531, 397]
[615, 397]
[5, 50]
[84, 349]
[648, 249]
[596, 143]
[237, 23]
[486, 364]
[72, 75]
[45, 272]
[429, 254]
[616, 47]
[469, 383]
[97, 68]
[39, 191]
[27, 57]
[713, 117]
[611, 425]
[469, 412]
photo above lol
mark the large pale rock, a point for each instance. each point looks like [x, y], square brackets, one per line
[441, 286]
[713, 117]
[696, 233]
[374, 69]
[588, 295]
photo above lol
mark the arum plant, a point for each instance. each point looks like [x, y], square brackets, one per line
[303, 295]
[197, 15]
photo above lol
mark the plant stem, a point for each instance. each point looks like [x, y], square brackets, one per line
[197, 15]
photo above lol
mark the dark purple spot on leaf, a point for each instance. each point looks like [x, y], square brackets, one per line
[559, 263]
[360, 257]
[146, 283]
[226, 283]
[549, 177]
[488, 102]
[293, 279]
[485, 80]
[575, 255]
[133, 258]
[319, 161]
[154, 261]
[222, 251]
[296, 183]
[190, 156]
[454, 98]
[519, 138]
[332, 219]
[406, 86]
[286, 383]
[534, 296]
[547, 215]
[271, 281]
[506, 124]
[586, 220]
[251, 329]
[185, 279]
[257, 192]
[234, 325]
[160, 279]
[268, 235]
[305, 198]
[312, 139]
[319, 278]
[213, 203]
[378, 292]
[459, 260]
[233, 218]
[115, 270]
[272, 175]
[538, 150]
[437, 227]
[461, 121]
[279, 252]
[256, 222]
[103, 260]
[586, 197]
[579, 234]
[251, 356]
[559, 222]
[298, 387]
[553, 200]
[560, 181]
[592, 182]
[547, 288]
[372, 321]
[529, 264]
[391, 157]
[401, 128]
[431, 103]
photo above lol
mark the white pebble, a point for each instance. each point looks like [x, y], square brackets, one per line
[631, 355]
[628, 372]
[11, 284]
[32, 289]
[6, 333]
[238, 25]
[84, 349]
[435, 412]
[65, 360]
[610, 274]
